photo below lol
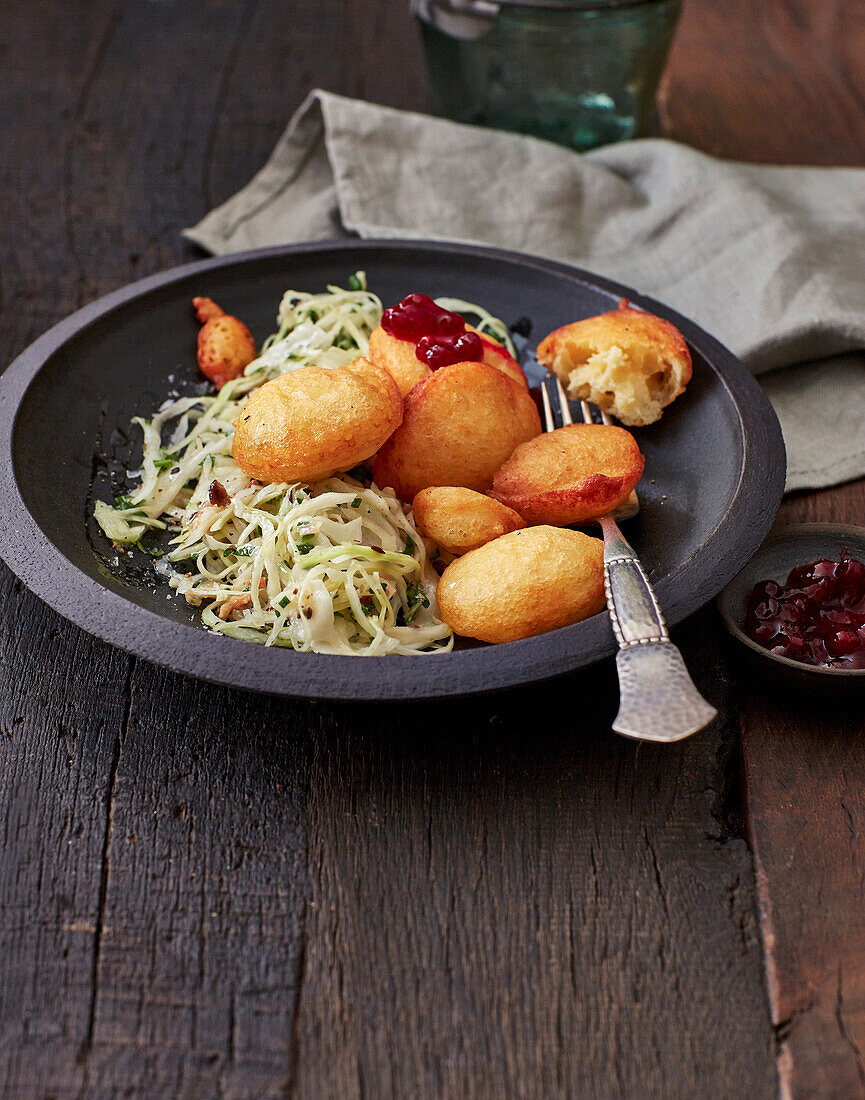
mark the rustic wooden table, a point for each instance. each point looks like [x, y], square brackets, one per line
[205, 893]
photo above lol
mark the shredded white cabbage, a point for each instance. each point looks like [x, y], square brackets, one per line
[335, 567]
[481, 319]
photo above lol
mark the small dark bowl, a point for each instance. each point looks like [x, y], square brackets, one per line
[785, 548]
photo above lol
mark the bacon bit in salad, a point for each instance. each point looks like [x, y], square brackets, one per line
[232, 604]
[218, 495]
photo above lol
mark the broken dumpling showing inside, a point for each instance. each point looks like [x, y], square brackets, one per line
[629, 363]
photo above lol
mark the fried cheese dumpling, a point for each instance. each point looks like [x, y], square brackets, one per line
[312, 422]
[525, 583]
[497, 355]
[399, 357]
[459, 426]
[629, 363]
[460, 519]
[571, 475]
[225, 345]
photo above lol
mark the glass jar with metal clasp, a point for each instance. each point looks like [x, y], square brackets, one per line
[578, 72]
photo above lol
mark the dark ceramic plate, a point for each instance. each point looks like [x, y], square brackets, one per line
[714, 465]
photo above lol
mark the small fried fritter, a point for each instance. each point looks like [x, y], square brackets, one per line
[460, 424]
[629, 363]
[525, 583]
[312, 422]
[206, 309]
[460, 519]
[571, 475]
[398, 357]
[498, 356]
[225, 345]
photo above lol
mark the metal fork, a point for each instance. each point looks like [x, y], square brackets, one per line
[657, 698]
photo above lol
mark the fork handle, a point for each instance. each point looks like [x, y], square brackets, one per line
[658, 700]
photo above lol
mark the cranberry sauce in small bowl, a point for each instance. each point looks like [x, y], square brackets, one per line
[798, 608]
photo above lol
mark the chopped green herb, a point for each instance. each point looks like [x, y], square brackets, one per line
[356, 503]
[284, 602]
[163, 463]
[354, 283]
[409, 545]
[146, 549]
[304, 543]
[415, 599]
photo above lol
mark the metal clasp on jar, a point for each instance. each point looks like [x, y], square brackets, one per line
[465, 19]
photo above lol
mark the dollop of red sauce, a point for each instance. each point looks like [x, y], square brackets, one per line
[440, 336]
[817, 617]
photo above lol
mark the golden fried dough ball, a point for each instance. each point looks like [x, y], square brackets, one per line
[628, 363]
[308, 424]
[460, 519]
[398, 357]
[495, 355]
[460, 424]
[571, 475]
[522, 584]
[225, 345]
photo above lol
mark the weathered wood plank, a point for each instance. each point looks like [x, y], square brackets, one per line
[779, 82]
[804, 761]
[201, 945]
[508, 900]
[58, 753]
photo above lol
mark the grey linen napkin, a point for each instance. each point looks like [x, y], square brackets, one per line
[769, 260]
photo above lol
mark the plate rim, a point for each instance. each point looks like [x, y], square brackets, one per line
[191, 650]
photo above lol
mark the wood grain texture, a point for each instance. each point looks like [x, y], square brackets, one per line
[804, 762]
[59, 756]
[203, 893]
[784, 82]
[781, 81]
[509, 901]
[202, 932]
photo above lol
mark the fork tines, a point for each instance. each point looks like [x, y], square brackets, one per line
[565, 407]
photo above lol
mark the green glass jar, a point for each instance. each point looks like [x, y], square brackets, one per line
[578, 72]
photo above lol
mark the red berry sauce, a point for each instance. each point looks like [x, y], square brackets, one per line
[439, 335]
[817, 617]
